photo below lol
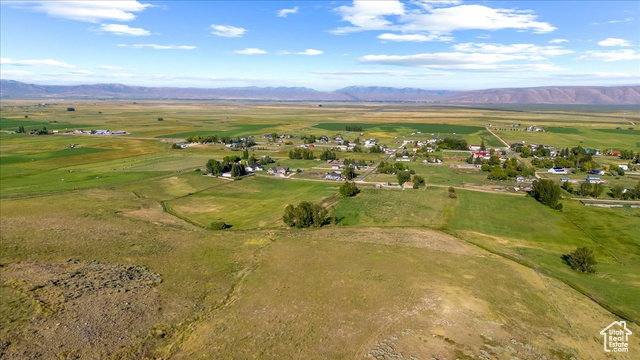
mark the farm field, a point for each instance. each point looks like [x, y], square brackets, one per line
[101, 229]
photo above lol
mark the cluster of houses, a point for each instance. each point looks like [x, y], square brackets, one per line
[98, 132]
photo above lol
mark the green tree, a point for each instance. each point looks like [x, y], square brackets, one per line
[217, 225]
[567, 187]
[306, 214]
[403, 177]
[349, 173]
[547, 192]
[237, 170]
[483, 147]
[349, 189]
[585, 189]
[581, 260]
[418, 180]
[597, 190]
[617, 191]
[214, 167]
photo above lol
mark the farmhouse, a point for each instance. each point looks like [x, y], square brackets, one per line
[623, 167]
[557, 171]
[565, 179]
[403, 159]
[595, 172]
[407, 185]
[593, 179]
[370, 143]
[333, 176]
[475, 147]
[281, 170]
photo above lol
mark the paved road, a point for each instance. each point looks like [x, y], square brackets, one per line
[376, 167]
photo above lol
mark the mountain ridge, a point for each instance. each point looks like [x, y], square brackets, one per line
[579, 95]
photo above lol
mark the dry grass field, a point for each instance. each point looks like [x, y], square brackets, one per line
[105, 254]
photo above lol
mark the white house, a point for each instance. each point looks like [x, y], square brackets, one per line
[593, 179]
[333, 176]
[623, 167]
[557, 171]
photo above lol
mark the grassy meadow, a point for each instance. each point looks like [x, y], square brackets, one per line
[408, 273]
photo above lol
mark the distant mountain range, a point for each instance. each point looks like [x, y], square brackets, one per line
[584, 95]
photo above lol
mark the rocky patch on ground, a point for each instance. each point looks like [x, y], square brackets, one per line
[80, 309]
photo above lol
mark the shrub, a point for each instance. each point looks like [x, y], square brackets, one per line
[582, 260]
[547, 192]
[217, 225]
[349, 189]
[304, 215]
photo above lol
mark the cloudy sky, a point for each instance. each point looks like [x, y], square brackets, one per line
[326, 45]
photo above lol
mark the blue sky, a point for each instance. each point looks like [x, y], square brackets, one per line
[325, 45]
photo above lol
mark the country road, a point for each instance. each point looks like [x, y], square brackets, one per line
[385, 160]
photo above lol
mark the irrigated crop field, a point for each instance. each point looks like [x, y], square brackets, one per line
[106, 251]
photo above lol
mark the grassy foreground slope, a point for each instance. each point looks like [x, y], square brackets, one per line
[339, 292]
[526, 231]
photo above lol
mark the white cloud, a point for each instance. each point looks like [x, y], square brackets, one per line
[310, 52]
[598, 75]
[110, 67]
[381, 72]
[414, 37]
[557, 41]
[250, 51]
[460, 61]
[158, 47]
[15, 73]
[439, 18]
[532, 51]
[80, 72]
[227, 30]
[287, 12]
[89, 11]
[614, 42]
[476, 17]
[369, 15]
[609, 56]
[616, 21]
[43, 62]
[121, 29]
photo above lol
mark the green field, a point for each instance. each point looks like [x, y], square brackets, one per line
[87, 232]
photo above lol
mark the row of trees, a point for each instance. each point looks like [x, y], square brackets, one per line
[629, 155]
[215, 167]
[301, 154]
[328, 155]
[353, 128]
[453, 144]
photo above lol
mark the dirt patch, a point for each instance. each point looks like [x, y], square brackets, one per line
[83, 309]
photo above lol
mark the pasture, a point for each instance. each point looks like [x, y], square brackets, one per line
[398, 273]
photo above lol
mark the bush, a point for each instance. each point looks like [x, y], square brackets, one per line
[304, 215]
[349, 189]
[218, 225]
[582, 260]
[547, 192]
[452, 192]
